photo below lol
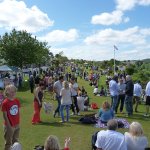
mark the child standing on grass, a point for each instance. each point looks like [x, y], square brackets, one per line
[10, 109]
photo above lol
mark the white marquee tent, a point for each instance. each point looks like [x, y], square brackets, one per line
[5, 68]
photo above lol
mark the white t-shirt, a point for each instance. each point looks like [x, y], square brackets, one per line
[95, 90]
[74, 88]
[135, 143]
[137, 90]
[148, 89]
[58, 87]
[80, 101]
[66, 96]
[110, 140]
[113, 88]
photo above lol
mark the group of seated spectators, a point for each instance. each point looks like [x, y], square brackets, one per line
[102, 91]
[51, 143]
[109, 139]
[113, 140]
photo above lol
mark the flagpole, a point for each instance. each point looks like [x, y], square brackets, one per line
[114, 63]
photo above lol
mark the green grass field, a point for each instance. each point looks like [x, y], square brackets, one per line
[31, 135]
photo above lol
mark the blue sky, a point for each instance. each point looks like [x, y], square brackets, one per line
[83, 29]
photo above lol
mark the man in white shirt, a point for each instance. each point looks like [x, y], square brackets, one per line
[57, 89]
[147, 93]
[137, 94]
[110, 139]
[114, 91]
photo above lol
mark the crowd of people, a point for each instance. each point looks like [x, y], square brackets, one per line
[124, 91]
[70, 96]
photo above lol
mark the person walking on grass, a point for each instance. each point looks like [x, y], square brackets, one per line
[66, 101]
[147, 93]
[57, 89]
[11, 115]
[38, 96]
[137, 94]
[74, 92]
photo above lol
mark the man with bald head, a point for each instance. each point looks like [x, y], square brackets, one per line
[129, 95]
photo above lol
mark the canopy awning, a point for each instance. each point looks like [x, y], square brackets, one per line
[5, 68]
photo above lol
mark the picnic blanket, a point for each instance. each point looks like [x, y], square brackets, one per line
[122, 123]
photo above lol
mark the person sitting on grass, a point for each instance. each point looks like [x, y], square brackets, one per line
[95, 91]
[86, 101]
[134, 138]
[102, 91]
[52, 143]
[110, 139]
[83, 90]
[80, 100]
[105, 113]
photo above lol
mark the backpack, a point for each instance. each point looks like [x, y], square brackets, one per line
[93, 140]
[94, 106]
[88, 119]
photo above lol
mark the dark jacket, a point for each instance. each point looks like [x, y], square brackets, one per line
[129, 88]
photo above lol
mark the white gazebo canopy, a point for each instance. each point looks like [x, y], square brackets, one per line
[5, 68]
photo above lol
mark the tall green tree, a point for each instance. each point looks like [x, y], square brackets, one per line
[130, 69]
[20, 48]
[60, 58]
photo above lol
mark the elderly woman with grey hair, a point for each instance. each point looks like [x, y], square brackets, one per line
[134, 138]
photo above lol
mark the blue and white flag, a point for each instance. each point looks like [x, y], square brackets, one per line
[115, 47]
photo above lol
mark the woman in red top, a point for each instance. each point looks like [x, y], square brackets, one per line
[38, 96]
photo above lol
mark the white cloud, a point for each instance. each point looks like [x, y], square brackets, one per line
[144, 2]
[60, 36]
[104, 52]
[17, 15]
[133, 43]
[133, 35]
[124, 5]
[84, 52]
[117, 16]
[108, 18]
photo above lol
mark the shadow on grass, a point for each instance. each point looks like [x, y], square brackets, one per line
[138, 116]
[79, 123]
[55, 124]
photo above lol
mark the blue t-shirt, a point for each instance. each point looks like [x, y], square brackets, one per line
[106, 115]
